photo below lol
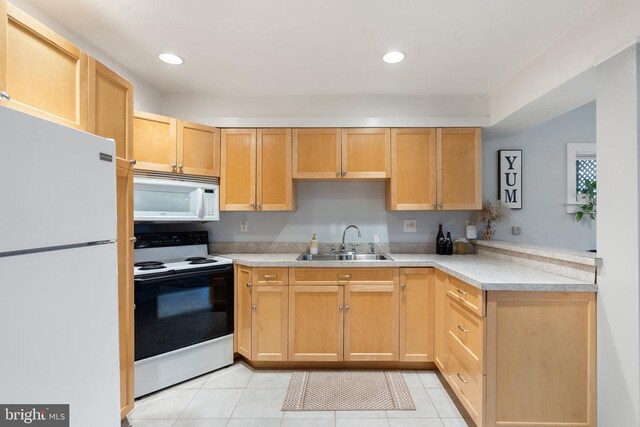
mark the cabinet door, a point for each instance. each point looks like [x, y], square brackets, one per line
[366, 153]
[238, 170]
[441, 307]
[124, 203]
[154, 142]
[413, 170]
[198, 149]
[317, 153]
[43, 73]
[244, 290]
[416, 314]
[269, 326]
[371, 321]
[459, 168]
[111, 109]
[316, 316]
[274, 183]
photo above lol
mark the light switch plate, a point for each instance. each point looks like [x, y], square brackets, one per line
[410, 226]
[244, 225]
[515, 231]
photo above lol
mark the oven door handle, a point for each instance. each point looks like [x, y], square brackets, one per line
[173, 274]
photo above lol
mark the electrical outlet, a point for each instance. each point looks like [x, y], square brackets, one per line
[515, 231]
[244, 225]
[410, 226]
[376, 238]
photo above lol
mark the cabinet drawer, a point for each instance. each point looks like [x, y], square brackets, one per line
[466, 330]
[270, 276]
[468, 296]
[343, 276]
[466, 382]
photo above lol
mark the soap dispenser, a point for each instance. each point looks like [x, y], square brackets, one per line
[313, 245]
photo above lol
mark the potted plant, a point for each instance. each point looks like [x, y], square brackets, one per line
[587, 194]
[492, 212]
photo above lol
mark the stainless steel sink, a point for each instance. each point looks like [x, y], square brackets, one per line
[344, 257]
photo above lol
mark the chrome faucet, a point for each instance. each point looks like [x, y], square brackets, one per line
[343, 247]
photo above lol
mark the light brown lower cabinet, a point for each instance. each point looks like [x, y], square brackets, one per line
[512, 358]
[262, 313]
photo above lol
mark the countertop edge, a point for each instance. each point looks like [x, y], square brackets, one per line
[568, 286]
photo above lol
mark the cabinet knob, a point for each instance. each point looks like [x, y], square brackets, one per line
[339, 307]
[5, 96]
[248, 285]
[259, 206]
[253, 205]
[253, 307]
[180, 167]
[402, 285]
[133, 162]
[344, 173]
[439, 205]
[133, 239]
[173, 166]
[346, 308]
[435, 205]
[338, 172]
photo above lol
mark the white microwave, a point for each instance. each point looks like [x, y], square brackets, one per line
[179, 199]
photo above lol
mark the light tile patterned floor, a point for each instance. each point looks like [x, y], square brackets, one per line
[238, 396]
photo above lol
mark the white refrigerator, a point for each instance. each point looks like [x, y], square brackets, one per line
[58, 270]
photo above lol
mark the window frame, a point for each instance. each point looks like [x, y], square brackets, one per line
[575, 151]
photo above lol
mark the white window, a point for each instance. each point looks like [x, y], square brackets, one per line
[581, 165]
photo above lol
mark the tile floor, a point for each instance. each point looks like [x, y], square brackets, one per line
[238, 396]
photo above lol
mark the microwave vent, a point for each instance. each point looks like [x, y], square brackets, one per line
[178, 177]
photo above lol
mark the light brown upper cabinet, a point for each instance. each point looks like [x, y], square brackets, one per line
[435, 169]
[111, 109]
[166, 144]
[41, 73]
[329, 153]
[459, 168]
[256, 170]
[413, 170]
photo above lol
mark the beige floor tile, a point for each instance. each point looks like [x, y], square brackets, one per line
[195, 382]
[165, 404]
[412, 380]
[458, 422]
[212, 403]
[360, 414]
[444, 404]
[264, 422]
[269, 379]
[415, 422]
[308, 422]
[362, 422]
[204, 422]
[431, 380]
[260, 403]
[235, 376]
[148, 423]
[424, 406]
[309, 414]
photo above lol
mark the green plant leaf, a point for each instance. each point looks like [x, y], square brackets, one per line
[579, 215]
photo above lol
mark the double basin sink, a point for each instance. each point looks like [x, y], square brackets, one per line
[344, 257]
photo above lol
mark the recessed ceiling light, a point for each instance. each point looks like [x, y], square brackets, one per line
[170, 58]
[393, 57]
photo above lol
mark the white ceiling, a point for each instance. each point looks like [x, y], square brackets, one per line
[326, 47]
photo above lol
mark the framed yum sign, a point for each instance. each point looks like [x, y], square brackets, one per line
[510, 172]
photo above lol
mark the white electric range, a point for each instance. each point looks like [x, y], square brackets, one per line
[183, 309]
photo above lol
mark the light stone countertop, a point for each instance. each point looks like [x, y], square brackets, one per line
[482, 272]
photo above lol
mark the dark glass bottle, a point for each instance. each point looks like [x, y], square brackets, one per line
[448, 244]
[440, 241]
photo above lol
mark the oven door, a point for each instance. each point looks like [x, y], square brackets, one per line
[179, 309]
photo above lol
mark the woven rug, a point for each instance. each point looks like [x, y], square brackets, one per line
[347, 391]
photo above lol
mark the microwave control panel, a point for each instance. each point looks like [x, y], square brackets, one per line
[210, 204]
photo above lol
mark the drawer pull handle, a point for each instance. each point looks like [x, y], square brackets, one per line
[461, 378]
[461, 292]
[463, 329]
[270, 276]
[344, 276]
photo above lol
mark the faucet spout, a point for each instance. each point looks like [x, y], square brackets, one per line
[343, 247]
